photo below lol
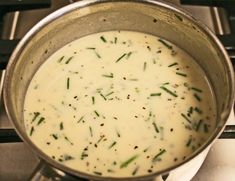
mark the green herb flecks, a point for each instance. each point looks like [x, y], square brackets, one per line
[108, 75]
[115, 40]
[189, 142]
[121, 57]
[97, 173]
[196, 89]
[155, 94]
[165, 44]
[93, 100]
[113, 144]
[41, 120]
[60, 59]
[67, 157]
[157, 156]
[206, 130]
[168, 91]
[84, 153]
[128, 55]
[31, 131]
[135, 170]
[173, 64]
[80, 119]
[197, 97]
[127, 162]
[61, 126]
[178, 17]
[196, 109]
[181, 74]
[146, 149]
[91, 131]
[68, 140]
[118, 133]
[54, 136]
[68, 83]
[94, 49]
[145, 66]
[155, 127]
[96, 113]
[198, 125]
[69, 59]
[103, 96]
[36, 114]
[110, 93]
[103, 39]
[186, 118]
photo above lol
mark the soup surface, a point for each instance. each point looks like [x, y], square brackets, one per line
[119, 104]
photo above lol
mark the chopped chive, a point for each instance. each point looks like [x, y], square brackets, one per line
[166, 83]
[156, 157]
[182, 74]
[66, 138]
[41, 120]
[168, 91]
[115, 40]
[128, 55]
[165, 44]
[173, 64]
[206, 128]
[110, 171]
[146, 149]
[36, 114]
[118, 134]
[185, 117]
[145, 65]
[97, 54]
[155, 94]
[190, 110]
[84, 154]
[55, 136]
[113, 144]
[101, 137]
[68, 81]
[69, 59]
[198, 124]
[61, 126]
[103, 96]
[97, 114]
[120, 57]
[90, 48]
[108, 76]
[198, 110]
[127, 162]
[135, 170]
[103, 39]
[68, 157]
[109, 94]
[196, 89]
[189, 142]
[93, 99]
[31, 131]
[60, 59]
[197, 97]
[155, 127]
[80, 119]
[91, 132]
[97, 173]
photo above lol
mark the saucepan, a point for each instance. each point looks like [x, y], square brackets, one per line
[92, 16]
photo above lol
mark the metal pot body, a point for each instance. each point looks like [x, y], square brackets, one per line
[87, 17]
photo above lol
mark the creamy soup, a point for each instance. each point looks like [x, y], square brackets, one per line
[119, 104]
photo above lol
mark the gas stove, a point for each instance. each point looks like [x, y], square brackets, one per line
[17, 162]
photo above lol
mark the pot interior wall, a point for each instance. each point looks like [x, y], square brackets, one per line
[81, 21]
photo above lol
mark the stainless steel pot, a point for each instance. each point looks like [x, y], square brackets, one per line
[92, 16]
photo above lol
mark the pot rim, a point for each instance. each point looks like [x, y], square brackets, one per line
[67, 9]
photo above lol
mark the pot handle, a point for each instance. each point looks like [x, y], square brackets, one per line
[44, 172]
